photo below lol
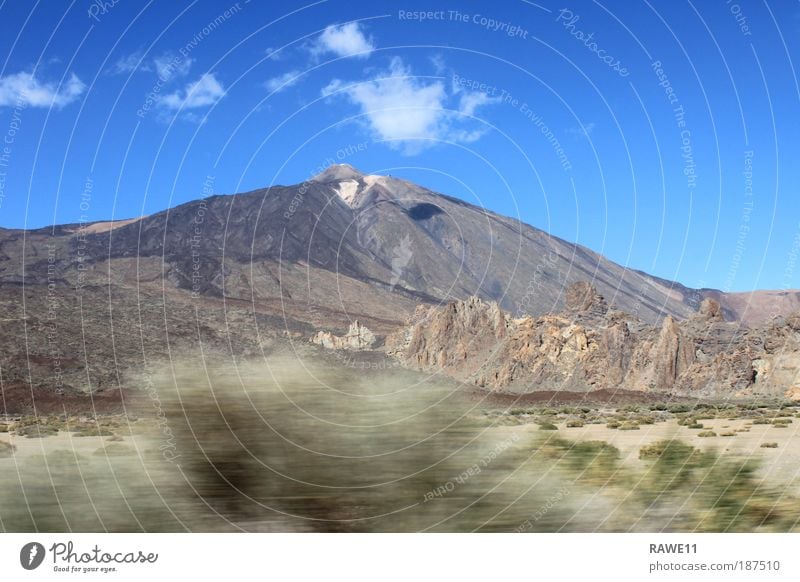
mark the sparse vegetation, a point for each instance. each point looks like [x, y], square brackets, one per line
[628, 426]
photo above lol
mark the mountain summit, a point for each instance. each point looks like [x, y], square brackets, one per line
[338, 172]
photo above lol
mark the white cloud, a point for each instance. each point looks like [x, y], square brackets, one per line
[274, 54]
[206, 91]
[26, 90]
[170, 66]
[129, 64]
[411, 113]
[167, 66]
[282, 82]
[438, 63]
[584, 131]
[344, 40]
[469, 102]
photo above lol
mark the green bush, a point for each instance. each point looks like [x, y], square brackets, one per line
[677, 408]
[671, 449]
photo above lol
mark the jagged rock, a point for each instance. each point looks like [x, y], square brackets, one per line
[583, 297]
[357, 337]
[475, 341]
[710, 310]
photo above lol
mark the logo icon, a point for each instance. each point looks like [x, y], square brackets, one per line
[31, 555]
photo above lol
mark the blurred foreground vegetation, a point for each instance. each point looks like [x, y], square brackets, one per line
[292, 447]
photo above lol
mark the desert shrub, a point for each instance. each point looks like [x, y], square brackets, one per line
[762, 421]
[575, 423]
[777, 421]
[613, 424]
[93, 431]
[587, 461]
[769, 445]
[628, 426]
[671, 449]
[3, 428]
[780, 425]
[36, 431]
[547, 426]
[280, 444]
[707, 433]
[727, 433]
[658, 406]
[678, 408]
[695, 425]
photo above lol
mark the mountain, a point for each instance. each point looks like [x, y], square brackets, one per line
[86, 305]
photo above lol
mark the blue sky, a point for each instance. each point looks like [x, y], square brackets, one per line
[663, 135]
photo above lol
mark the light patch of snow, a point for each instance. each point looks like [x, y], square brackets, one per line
[373, 179]
[347, 190]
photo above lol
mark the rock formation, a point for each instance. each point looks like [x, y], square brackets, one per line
[589, 346]
[357, 337]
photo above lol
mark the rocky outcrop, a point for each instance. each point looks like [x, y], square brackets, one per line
[589, 346]
[582, 297]
[357, 337]
[710, 310]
